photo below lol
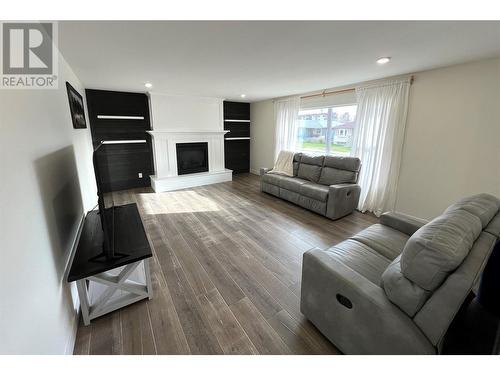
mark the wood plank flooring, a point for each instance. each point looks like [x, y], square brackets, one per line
[226, 275]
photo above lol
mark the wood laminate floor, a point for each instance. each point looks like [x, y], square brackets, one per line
[226, 275]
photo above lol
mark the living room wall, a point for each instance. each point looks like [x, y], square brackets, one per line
[47, 185]
[451, 144]
[182, 112]
[451, 147]
[262, 139]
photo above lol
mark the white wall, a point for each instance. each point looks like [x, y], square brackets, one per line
[262, 135]
[451, 147]
[452, 143]
[176, 112]
[47, 184]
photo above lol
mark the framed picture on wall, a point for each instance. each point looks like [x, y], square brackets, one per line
[76, 107]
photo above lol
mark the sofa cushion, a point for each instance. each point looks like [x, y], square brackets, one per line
[270, 189]
[439, 311]
[291, 183]
[383, 239]
[309, 172]
[312, 204]
[296, 162]
[334, 176]
[360, 258]
[288, 195]
[310, 167]
[407, 295]
[271, 178]
[339, 170]
[314, 191]
[439, 247]
[312, 160]
[346, 163]
[484, 206]
[494, 226]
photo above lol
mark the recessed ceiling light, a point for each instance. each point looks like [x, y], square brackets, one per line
[148, 85]
[243, 95]
[383, 60]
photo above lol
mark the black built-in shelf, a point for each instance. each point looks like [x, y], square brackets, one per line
[237, 141]
[118, 117]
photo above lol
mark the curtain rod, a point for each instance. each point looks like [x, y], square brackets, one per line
[327, 93]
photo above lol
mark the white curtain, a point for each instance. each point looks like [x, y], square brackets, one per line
[287, 118]
[378, 142]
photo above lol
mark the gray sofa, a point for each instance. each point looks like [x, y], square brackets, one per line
[323, 184]
[395, 287]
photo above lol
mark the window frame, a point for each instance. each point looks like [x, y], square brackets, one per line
[329, 128]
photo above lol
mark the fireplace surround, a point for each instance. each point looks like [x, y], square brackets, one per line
[167, 176]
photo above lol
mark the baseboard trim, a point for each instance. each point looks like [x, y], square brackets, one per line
[254, 171]
[70, 344]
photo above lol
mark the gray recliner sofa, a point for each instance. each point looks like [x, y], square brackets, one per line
[395, 287]
[326, 185]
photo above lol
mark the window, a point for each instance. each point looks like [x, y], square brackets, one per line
[328, 130]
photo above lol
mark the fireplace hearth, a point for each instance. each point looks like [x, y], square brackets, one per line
[192, 157]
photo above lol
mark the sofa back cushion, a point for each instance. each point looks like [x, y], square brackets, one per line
[484, 206]
[439, 247]
[296, 161]
[339, 170]
[401, 291]
[436, 315]
[310, 167]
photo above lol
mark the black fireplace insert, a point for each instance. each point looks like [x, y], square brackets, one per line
[192, 157]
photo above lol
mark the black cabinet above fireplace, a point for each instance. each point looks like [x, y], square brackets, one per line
[192, 157]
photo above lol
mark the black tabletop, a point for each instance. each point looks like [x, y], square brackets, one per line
[130, 239]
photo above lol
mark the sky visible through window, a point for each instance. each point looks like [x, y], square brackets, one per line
[327, 130]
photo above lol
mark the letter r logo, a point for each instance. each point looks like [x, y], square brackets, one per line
[27, 48]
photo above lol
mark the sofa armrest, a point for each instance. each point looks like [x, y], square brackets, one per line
[353, 312]
[342, 200]
[401, 222]
[263, 171]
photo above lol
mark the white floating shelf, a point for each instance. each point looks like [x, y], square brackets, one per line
[123, 141]
[113, 117]
[229, 120]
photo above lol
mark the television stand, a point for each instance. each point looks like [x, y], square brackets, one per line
[103, 258]
[107, 285]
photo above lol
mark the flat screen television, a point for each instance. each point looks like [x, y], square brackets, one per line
[107, 209]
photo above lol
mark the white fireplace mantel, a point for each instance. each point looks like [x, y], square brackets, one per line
[182, 131]
[165, 158]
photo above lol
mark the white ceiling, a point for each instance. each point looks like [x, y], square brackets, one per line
[264, 59]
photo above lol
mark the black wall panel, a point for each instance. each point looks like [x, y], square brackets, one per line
[237, 143]
[236, 111]
[237, 155]
[122, 162]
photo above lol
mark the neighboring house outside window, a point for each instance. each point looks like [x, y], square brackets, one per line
[327, 130]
